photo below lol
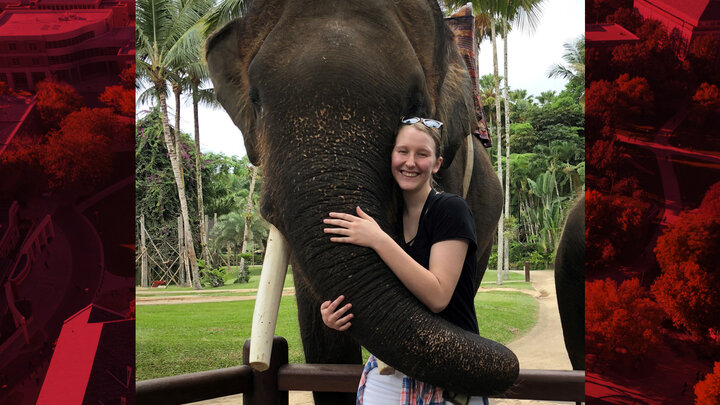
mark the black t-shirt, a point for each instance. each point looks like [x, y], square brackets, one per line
[447, 216]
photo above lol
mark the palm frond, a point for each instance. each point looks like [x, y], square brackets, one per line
[224, 12]
[524, 14]
[207, 98]
[148, 96]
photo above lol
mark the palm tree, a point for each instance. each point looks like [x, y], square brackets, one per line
[521, 12]
[487, 12]
[574, 68]
[488, 96]
[162, 30]
[196, 73]
[546, 97]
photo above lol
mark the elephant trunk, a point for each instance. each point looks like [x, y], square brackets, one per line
[389, 321]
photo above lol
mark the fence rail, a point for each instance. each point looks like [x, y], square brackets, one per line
[272, 386]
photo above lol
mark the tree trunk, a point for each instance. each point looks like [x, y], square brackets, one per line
[217, 250]
[228, 257]
[143, 255]
[501, 223]
[177, 90]
[173, 151]
[248, 217]
[507, 149]
[182, 263]
[204, 253]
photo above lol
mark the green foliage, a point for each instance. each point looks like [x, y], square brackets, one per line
[225, 191]
[211, 277]
[529, 252]
[547, 165]
[156, 195]
[523, 137]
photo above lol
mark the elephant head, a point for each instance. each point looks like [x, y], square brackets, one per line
[318, 89]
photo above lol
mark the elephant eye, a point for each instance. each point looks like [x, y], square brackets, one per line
[254, 95]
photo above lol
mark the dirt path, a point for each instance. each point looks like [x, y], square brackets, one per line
[164, 299]
[542, 348]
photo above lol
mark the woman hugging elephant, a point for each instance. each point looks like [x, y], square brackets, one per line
[435, 258]
[318, 89]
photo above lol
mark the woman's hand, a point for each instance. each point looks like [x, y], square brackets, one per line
[333, 317]
[361, 230]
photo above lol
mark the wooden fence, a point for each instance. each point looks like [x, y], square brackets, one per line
[272, 386]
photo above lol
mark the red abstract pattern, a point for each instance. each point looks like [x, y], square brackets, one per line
[652, 217]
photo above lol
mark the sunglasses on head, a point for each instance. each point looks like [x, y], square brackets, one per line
[426, 121]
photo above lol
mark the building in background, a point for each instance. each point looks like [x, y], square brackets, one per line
[48, 37]
[685, 20]
[607, 36]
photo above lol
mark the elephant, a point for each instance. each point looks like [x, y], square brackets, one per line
[318, 89]
[570, 283]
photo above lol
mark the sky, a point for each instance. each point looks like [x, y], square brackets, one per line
[531, 55]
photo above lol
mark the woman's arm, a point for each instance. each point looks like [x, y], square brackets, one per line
[434, 286]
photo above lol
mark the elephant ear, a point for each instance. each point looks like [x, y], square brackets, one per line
[448, 83]
[455, 106]
[229, 53]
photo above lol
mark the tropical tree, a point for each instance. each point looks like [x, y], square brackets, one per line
[196, 73]
[488, 94]
[525, 13]
[546, 97]
[574, 68]
[156, 190]
[163, 32]
[248, 219]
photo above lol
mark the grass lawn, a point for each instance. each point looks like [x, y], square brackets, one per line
[185, 338]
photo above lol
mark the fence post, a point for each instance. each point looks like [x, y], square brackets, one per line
[527, 272]
[265, 383]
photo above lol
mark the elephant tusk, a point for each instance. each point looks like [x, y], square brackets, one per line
[267, 302]
[384, 369]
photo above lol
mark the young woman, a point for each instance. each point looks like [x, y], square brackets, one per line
[435, 259]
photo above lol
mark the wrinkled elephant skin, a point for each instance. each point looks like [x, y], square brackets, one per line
[570, 284]
[318, 89]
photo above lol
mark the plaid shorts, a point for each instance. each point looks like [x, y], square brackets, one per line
[414, 392]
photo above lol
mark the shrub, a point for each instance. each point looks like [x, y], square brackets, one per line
[212, 277]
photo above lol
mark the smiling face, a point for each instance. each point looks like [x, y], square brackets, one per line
[414, 159]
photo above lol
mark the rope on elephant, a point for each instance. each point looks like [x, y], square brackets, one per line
[462, 24]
